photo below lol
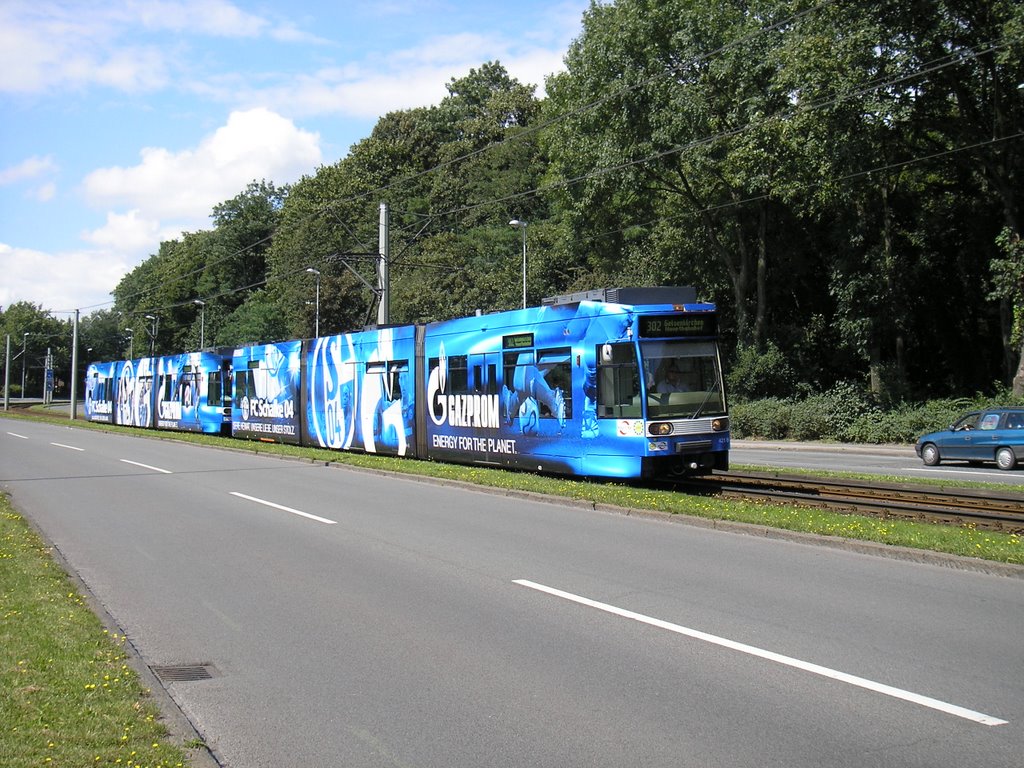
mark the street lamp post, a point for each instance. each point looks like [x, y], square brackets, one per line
[153, 321]
[522, 225]
[202, 321]
[316, 273]
[131, 342]
[24, 346]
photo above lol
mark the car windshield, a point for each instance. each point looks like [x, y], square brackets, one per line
[683, 379]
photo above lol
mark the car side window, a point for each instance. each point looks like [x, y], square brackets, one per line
[989, 421]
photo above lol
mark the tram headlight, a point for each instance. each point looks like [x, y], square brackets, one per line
[660, 428]
[719, 425]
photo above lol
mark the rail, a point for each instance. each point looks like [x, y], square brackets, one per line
[982, 508]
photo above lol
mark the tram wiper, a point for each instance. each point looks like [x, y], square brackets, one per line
[704, 402]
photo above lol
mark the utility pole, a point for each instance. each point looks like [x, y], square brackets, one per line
[74, 371]
[7, 377]
[383, 276]
[48, 377]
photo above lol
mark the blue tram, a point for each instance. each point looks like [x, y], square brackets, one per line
[622, 383]
[180, 392]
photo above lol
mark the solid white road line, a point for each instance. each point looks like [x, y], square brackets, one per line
[284, 509]
[69, 447]
[860, 682]
[15, 434]
[147, 466]
[968, 473]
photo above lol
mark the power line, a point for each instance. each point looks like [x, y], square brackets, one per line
[951, 59]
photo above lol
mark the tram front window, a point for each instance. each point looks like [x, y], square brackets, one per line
[683, 379]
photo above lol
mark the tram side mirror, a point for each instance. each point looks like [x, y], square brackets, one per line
[606, 353]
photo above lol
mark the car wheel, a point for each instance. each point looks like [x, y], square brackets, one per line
[930, 454]
[1005, 458]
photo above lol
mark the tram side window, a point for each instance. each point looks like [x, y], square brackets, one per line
[458, 373]
[101, 388]
[391, 373]
[398, 370]
[245, 381]
[556, 367]
[517, 367]
[484, 376]
[618, 382]
[213, 389]
[189, 388]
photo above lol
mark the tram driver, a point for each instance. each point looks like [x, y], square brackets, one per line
[671, 379]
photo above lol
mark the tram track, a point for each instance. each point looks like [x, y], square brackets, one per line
[980, 508]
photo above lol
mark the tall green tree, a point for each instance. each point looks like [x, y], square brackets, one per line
[1008, 279]
[33, 331]
[666, 121]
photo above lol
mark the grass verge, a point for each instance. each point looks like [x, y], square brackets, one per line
[67, 694]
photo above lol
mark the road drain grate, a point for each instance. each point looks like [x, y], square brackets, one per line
[184, 673]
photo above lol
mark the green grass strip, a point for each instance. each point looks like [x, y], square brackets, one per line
[67, 694]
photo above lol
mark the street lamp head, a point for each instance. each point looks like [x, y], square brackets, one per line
[150, 317]
[199, 303]
[313, 271]
[517, 223]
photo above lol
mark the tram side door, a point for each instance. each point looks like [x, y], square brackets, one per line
[227, 383]
[484, 379]
[484, 372]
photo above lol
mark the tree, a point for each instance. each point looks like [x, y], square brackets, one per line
[33, 331]
[219, 267]
[255, 321]
[449, 174]
[667, 123]
[1008, 279]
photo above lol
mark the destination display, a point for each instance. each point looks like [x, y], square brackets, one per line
[677, 327]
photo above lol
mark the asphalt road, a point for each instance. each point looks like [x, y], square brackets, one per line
[898, 461]
[401, 623]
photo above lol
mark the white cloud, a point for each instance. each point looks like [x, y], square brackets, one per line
[46, 44]
[58, 281]
[56, 44]
[125, 232]
[44, 193]
[415, 77]
[164, 194]
[209, 17]
[30, 168]
[255, 144]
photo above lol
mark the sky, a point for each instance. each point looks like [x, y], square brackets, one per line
[123, 122]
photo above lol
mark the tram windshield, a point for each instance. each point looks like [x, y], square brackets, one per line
[683, 379]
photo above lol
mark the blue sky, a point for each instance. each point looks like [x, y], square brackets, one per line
[123, 122]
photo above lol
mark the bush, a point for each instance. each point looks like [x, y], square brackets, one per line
[767, 419]
[884, 427]
[760, 373]
[830, 415]
[846, 413]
